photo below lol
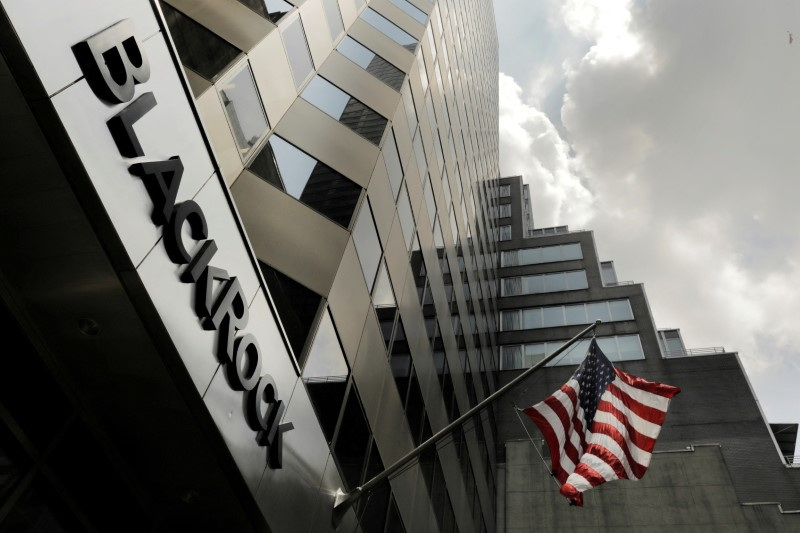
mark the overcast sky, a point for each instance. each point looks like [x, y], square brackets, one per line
[671, 129]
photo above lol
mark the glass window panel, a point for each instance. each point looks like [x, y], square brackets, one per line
[575, 314]
[325, 375]
[371, 62]
[406, 217]
[453, 225]
[294, 37]
[389, 29]
[534, 353]
[408, 104]
[551, 253]
[571, 251]
[505, 233]
[609, 347]
[555, 282]
[597, 311]
[303, 177]
[532, 284]
[368, 246]
[326, 96]
[271, 10]
[630, 347]
[411, 10]
[505, 211]
[352, 440]
[334, 17]
[296, 305]
[383, 295]
[438, 239]
[512, 286]
[199, 49]
[620, 310]
[504, 190]
[509, 258]
[576, 279]
[430, 202]
[423, 72]
[510, 320]
[552, 316]
[531, 318]
[531, 256]
[391, 159]
[419, 155]
[244, 110]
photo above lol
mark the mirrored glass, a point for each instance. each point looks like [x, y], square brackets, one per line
[552, 316]
[411, 10]
[576, 279]
[571, 251]
[326, 96]
[389, 29]
[392, 161]
[346, 109]
[597, 311]
[408, 104]
[575, 314]
[406, 217]
[371, 62]
[620, 310]
[306, 179]
[551, 253]
[630, 347]
[244, 110]
[368, 246]
[294, 37]
[531, 318]
[271, 10]
[352, 439]
[555, 282]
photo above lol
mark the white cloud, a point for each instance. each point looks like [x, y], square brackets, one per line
[679, 148]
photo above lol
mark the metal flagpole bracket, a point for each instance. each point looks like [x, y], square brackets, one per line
[344, 500]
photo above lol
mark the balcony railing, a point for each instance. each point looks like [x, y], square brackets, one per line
[694, 352]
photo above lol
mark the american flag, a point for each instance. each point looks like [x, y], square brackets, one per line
[601, 425]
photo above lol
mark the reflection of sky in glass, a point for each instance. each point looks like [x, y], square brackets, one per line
[355, 52]
[243, 107]
[295, 166]
[388, 28]
[382, 296]
[411, 10]
[325, 359]
[367, 244]
[297, 50]
[326, 96]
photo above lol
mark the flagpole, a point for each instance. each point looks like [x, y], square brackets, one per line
[344, 500]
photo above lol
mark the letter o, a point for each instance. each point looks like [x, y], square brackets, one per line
[265, 391]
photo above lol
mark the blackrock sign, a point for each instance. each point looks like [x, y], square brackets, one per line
[114, 62]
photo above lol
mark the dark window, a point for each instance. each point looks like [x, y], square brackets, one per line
[384, 302]
[325, 375]
[347, 110]
[297, 307]
[394, 522]
[371, 62]
[306, 179]
[352, 441]
[200, 49]
[269, 9]
[400, 362]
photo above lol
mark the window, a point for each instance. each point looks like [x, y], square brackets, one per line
[346, 109]
[566, 315]
[368, 246]
[306, 179]
[334, 17]
[406, 218]
[371, 62]
[243, 108]
[408, 105]
[389, 29]
[411, 10]
[504, 190]
[325, 375]
[296, 306]
[616, 348]
[419, 155]
[430, 202]
[502, 233]
[504, 211]
[271, 10]
[391, 158]
[542, 254]
[294, 37]
[550, 282]
[200, 50]
[607, 273]
[384, 303]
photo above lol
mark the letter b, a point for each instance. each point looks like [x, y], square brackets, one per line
[113, 62]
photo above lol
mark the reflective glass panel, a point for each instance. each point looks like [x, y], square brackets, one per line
[244, 110]
[576, 279]
[371, 62]
[334, 17]
[352, 440]
[419, 155]
[269, 9]
[411, 10]
[389, 29]
[531, 318]
[408, 104]
[620, 310]
[368, 246]
[597, 311]
[392, 161]
[552, 316]
[575, 314]
[303, 177]
[406, 217]
[430, 203]
[294, 37]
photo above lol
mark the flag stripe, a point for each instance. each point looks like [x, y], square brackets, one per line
[607, 457]
[653, 387]
[551, 436]
[653, 415]
[636, 460]
[628, 426]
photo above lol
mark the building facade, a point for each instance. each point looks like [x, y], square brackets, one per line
[718, 465]
[246, 262]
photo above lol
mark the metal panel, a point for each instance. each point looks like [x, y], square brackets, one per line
[399, 18]
[329, 141]
[288, 235]
[273, 76]
[49, 29]
[370, 369]
[380, 197]
[167, 130]
[379, 43]
[349, 302]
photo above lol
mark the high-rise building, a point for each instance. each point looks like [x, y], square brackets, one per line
[717, 466]
[246, 261]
